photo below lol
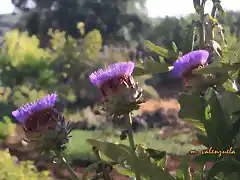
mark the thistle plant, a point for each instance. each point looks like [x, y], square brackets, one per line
[45, 128]
[121, 94]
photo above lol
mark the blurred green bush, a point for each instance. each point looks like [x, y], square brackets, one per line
[28, 72]
[11, 169]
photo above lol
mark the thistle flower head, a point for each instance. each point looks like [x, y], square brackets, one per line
[113, 76]
[113, 71]
[192, 60]
[31, 109]
[117, 86]
[40, 119]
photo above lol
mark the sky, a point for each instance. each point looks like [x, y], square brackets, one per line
[157, 8]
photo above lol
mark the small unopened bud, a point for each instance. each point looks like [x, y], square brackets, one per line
[124, 135]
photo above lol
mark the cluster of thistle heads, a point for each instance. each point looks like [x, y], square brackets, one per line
[45, 126]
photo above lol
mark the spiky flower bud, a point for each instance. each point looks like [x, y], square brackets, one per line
[184, 66]
[43, 125]
[121, 93]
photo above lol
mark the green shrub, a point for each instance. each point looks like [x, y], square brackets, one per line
[11, 169]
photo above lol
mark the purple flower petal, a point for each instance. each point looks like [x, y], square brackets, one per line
[189, 61]
[112, 71]
[28, 109]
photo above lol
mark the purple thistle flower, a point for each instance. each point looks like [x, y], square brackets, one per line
[39, 116]
[29, 109]
[190, 61]
[113, 71]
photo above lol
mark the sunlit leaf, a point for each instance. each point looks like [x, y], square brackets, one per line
[228, 85]
[174, 47]
[199, 125]
[159, 50]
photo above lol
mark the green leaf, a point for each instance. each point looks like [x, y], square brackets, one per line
[125, 171]
[219, 120]
[220, 8]
[150, 169]
[204, 140]
[123, 154]
[192, 106]
[202, 83]
[184, 166]
[197, 5]
[235, 129]
[89, 169]
[199, 125]
[228, 85]
[189, 38]
[155, 154]
[227, 167]
[230, 102]
[174, 47]
[159, 50]
[236, 113]
[150, 67]
[116, 152]
[139, 71]
[204, 158]
[218, 67]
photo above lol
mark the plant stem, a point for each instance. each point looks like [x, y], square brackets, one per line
[131, 140]
[106, 175]
[66, 165]
[202, 26]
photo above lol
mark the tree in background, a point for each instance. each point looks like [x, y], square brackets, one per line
[121, 20]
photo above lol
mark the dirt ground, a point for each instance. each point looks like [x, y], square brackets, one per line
[64, 174]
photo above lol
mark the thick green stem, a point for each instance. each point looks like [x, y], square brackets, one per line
[66, 165]
[202, 27]
[131, 141]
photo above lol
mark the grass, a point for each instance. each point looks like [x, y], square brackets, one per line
[78, 148]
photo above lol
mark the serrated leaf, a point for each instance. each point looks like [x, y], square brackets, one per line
[122, 154]
[159, 50]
